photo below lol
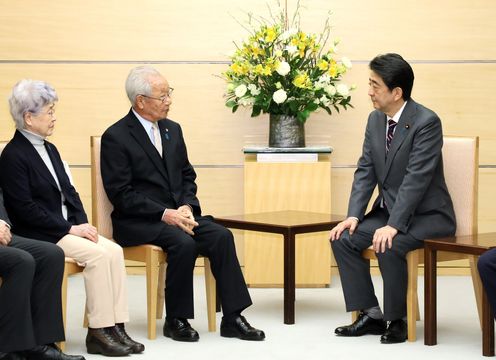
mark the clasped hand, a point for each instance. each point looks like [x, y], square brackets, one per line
[5, 235]
[86, 231]
[182, 218]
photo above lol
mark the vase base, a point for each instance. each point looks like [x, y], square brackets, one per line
[286, 132]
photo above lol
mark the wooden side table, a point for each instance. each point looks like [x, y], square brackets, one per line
[278, 179]
[287, 224]
[470, 245]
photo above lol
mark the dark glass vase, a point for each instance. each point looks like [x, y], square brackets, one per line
[286, 132]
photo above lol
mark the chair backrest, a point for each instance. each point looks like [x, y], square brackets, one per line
[101, 206]
[461, 169]
[2, 145]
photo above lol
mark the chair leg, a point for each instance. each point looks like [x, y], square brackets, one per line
[85, 317]
[210, 287]
[161, 290]
[64, 304]
[418, 307]
[151, 291]
[354, 316]
[476, 281]
[411, 294]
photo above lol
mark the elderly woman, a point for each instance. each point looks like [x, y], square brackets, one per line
[43, 204]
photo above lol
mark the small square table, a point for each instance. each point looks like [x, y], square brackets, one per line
[475, 244]
[288, 224]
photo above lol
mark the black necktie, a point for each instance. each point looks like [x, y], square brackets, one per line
[390, 132]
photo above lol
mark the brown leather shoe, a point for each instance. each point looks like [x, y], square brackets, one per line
[100, 341]
[119, 333]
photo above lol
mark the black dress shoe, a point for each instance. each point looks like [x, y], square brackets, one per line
[363, 325]
[180, 330]
[101, 341]
[241, 329]
[49, 352]
[395, 333]
[12, 356]
[119, 333]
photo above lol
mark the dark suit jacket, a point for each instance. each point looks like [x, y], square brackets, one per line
[410, 179]
[3, 213]
[139, 183]
[32, 197]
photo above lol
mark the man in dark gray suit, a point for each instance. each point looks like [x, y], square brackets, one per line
[30, 300]
[402, 157]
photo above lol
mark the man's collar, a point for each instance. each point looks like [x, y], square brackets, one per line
[397, 116]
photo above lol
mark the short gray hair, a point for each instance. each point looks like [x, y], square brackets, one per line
[30, 96]
[138, 82]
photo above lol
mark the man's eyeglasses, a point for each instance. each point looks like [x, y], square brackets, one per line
[162, 98]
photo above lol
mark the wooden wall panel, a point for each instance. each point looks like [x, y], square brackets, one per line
[156, 30]
[459, 93]
[418, 29]
[86, 48]
[92, 97]
[148, 30]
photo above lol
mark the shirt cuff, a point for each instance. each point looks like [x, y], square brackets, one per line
[4, 222]
[354, 217]
[163, 214]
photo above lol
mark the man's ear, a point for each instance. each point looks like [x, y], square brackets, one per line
[139, 102]
[397, 93]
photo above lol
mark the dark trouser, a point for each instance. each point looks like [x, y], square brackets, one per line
[30, 299]
[487, 271]
[215, 242]
[354, 270]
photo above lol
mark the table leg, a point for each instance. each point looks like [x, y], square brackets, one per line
[487, 327]
[289, 277]
[430, 303]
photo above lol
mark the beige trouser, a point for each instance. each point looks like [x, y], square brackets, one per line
[104, 278]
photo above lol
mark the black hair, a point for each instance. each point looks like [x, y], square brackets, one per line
[395, 72]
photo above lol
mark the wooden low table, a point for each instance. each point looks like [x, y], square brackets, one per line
[470, 245]
[288, 224]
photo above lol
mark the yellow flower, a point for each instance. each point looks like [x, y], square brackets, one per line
[301, 49]
[271, 34]
[255, 50]
[237, 68]
[258, 69]
[333, 69]
[302, 81]
[323, 65]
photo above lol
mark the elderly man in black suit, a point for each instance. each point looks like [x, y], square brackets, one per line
[151, 184]
[30, 321]
[402, 157]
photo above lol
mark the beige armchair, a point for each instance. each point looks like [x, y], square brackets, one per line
[153, 256]
[461, 168]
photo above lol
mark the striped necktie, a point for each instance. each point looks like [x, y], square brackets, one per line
[390, 132]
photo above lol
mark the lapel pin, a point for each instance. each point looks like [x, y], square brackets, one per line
[166, 134]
